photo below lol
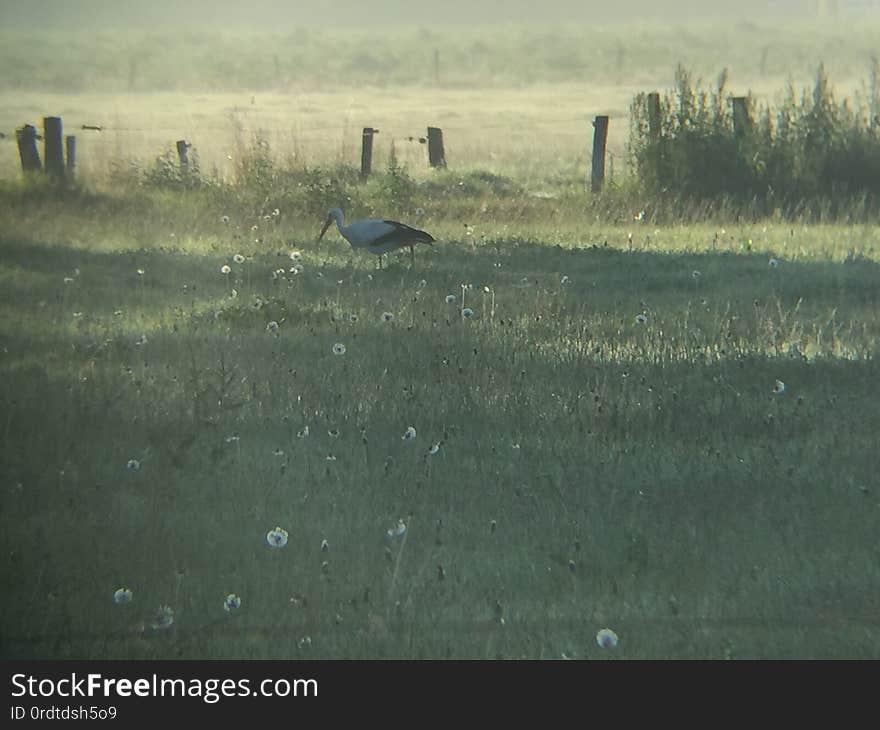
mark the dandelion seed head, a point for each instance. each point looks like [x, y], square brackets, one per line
[450, 298]
[133, 465]
[224, 219]
[779, 387]
[434, 449]
[303, 432]
[122, 595]
[238, 258]
[231, 603]
[397, 531]
[277, 538]
[272, 327]
[163, 618]
[338, 349]
[352, 318]
[607, 639]
[225, 269]
[409, 434]
[387, 316]
[695, 274]
[641, 319]
[774, 263]
[467, 312]
[141, 272]
[295, 256]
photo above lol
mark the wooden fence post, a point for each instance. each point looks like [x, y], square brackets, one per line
[53, 148]
[367, 151]
[600, 136]
[436, 154]
[182, 148]
[742, 119]
[27, 148]
[70, 144]
[654, 115]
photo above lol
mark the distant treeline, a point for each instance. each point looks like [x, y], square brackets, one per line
[193, 58]
[280, 14]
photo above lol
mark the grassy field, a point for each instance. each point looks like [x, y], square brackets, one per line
[574, 412]
[594, 468]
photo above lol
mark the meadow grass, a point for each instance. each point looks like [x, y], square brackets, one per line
[660, 418]
[612, 446]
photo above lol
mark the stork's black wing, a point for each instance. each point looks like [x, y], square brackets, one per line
[403, 235]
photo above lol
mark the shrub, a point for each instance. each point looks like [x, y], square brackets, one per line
[808, 148]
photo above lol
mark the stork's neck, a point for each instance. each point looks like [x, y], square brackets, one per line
[336, 215]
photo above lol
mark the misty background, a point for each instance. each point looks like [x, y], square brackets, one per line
[512, 82]
[282, 14]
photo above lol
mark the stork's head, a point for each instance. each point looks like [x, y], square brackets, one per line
[334, 214]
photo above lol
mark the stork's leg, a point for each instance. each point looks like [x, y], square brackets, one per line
[412, 255]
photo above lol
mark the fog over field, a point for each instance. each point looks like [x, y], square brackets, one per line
[330, 14]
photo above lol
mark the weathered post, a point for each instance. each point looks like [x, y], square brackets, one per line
[53, 148]
[742, 119]
[436, 154]
[600, 136]
[70, 144]
[367, 151]
[27, 148]
[654, 115]
[182, 153]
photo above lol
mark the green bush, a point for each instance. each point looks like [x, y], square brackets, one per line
[808, 149]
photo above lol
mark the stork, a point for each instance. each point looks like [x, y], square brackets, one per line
[377, 236]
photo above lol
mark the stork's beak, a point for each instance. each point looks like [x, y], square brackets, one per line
[326, 226]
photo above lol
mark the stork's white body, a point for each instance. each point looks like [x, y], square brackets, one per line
[376, 236]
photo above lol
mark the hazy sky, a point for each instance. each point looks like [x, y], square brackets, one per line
[281, 14]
